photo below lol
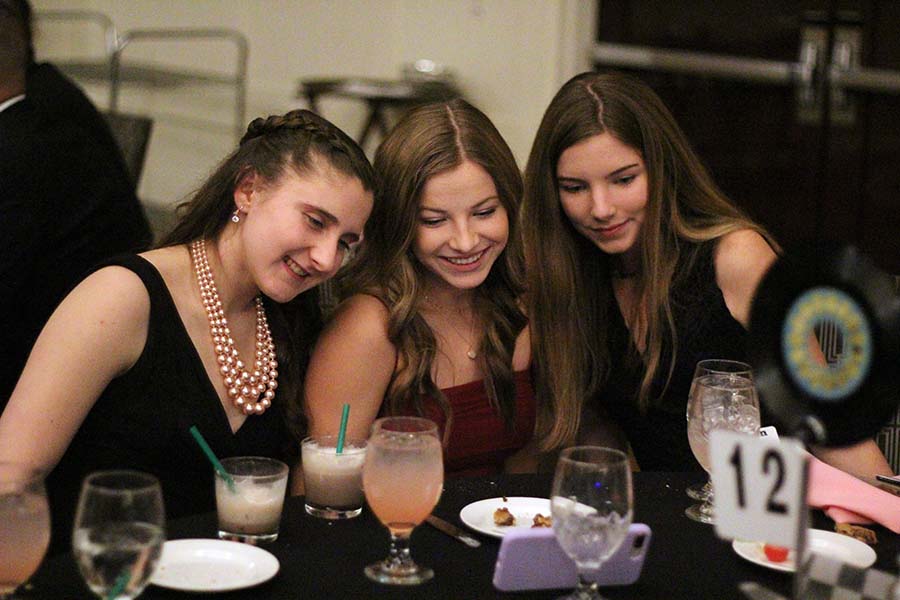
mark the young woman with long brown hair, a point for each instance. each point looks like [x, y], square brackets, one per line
[638, 267]
[211, 329]
[431, 321]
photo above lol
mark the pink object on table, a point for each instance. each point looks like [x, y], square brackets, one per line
[847, 499]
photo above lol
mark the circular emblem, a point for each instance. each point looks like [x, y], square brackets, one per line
[827, 343]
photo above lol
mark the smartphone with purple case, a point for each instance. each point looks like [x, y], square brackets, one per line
[531, 559]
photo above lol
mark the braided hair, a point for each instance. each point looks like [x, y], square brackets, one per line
[299, 140]
[269, 147]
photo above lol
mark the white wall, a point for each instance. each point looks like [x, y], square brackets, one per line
[509, 56]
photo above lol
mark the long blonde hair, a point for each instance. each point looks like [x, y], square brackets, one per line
[569, 297]
[430, 140]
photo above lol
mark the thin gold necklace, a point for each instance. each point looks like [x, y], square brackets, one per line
[471, 352]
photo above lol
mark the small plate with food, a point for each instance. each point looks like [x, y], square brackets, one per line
[496, 516]
[834, 545]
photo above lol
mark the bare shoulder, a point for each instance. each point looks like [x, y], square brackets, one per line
[113, 290]
[742, 257]
[108, 314]
[740, 250]
[362, 315]
[353, 362]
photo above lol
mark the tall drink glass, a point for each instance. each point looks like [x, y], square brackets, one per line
[591, 504]
[119, 532]
[702, 491]
[24, 525]
[402, 478]
[718, 401]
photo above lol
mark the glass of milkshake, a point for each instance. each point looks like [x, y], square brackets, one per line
[333, 481]
[251, 510]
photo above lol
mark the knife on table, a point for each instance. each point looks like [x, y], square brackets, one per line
[452, 530]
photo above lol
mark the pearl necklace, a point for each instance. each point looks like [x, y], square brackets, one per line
[244, 388]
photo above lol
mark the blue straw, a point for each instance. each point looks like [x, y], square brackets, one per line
[212, 458]
[343, 430]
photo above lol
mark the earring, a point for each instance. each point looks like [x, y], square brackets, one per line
[236, 216]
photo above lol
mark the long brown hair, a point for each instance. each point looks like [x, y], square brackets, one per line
[430, 140]
[569, 299]
[297, 140]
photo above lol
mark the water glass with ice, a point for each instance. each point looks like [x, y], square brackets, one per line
[719, 400]
[250, 509]
[701, 491]
[591, 504]
[333, 482]
[119, 532]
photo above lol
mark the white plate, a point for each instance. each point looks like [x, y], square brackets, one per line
[831, 544]
[207, 565]
[480, 515]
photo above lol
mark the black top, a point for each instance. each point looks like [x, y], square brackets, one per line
[705, 329]
[67, 202]
[142, 420]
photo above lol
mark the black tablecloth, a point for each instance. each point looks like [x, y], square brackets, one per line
[325, 559]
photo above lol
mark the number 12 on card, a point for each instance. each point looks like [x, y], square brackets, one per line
[759, 486]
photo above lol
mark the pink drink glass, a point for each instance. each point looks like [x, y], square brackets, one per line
[402, 477]
[24, 525]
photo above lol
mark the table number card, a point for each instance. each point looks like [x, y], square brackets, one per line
[760, 487]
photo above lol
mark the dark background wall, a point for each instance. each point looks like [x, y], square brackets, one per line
[819, 163]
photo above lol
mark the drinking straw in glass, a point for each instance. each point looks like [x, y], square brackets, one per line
[217, 465]
[119, 532]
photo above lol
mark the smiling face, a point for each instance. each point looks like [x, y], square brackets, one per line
[603, 191]
[462, 226]
[297, 230]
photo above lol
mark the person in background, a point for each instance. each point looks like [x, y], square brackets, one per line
[67, 200]
[431, 322]
[638, 267]
[211, 329]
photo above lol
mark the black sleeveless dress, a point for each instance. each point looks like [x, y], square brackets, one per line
[142, 421]
[705, 329]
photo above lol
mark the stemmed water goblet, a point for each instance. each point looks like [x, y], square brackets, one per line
[722, 396]
[24, 525]
[701, 491]
[403, 475]
[591, 504]
[119, 532]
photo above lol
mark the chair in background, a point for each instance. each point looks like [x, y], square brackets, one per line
[132, 133]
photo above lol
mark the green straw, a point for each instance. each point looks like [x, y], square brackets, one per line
[119, 585]
[212, 458]
[343, 430]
